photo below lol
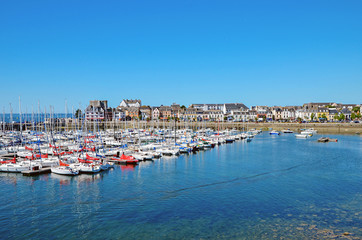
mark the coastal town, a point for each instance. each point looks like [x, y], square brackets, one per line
[89, 144]
[98, 110]
[181, 120]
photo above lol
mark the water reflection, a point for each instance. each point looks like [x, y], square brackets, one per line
[8, 178]
[128, 167]
[79, 179]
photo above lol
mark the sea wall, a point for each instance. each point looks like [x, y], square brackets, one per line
[330, 128]
[327, 128]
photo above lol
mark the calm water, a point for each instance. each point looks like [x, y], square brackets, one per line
[27, 117]
[273, 187]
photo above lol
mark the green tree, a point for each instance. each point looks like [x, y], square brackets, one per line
[225, 118]
[353, 116]
[324, 116]
[336, 117]
[183, 107]
[341, 117]
[299, 119]
[358, 115]
[78, 113]
[356, 109]
[312, 116]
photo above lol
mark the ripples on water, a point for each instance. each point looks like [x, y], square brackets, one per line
[273, 187]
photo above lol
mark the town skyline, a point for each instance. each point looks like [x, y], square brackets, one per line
[39, 107]
[133, 109]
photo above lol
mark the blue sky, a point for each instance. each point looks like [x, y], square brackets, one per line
[255, 52]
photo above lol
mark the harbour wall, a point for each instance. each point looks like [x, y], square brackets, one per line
[327, 128]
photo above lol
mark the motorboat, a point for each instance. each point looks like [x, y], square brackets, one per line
[274, 132]
[125, 159]
[301, 135]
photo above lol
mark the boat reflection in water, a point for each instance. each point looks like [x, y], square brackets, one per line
[82, 178]
[8, 178]
[128, 167]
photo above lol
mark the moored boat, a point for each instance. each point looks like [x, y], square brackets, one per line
[125, 159]
[64, 170]
[301, 135]
[274, 132]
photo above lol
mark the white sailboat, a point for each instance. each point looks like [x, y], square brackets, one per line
[64, 170]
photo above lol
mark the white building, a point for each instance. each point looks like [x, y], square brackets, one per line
[119, 114]
[215, 115]
[96, 110]
[130, 103]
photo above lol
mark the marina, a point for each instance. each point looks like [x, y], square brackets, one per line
[267, 186]
[35, 153]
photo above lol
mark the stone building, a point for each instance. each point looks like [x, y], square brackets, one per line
[98, 110]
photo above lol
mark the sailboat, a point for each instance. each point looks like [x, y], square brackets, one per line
[64, 169]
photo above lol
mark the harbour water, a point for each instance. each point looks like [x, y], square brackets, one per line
[36, 117]
[272, 187]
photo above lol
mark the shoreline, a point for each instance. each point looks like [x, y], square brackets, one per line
[322, 128]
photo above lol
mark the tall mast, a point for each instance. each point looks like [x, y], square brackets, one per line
[3, 119]
[39, 118]
[66, 115]
[32, 116]
[11, 118]
[175, 128]
[21, 126]
[73, 122]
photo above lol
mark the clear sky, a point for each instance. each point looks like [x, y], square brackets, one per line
[188, 51]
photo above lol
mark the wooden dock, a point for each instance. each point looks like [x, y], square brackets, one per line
[36, 172]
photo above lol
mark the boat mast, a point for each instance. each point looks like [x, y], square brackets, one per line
[11, 118]
[3, 119]
[21, 126]
[66, 115]
[175, 128]
[39, 117]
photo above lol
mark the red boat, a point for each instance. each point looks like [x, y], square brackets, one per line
[42, 155]
[84, 161]
[91, 158]
[8, 161]
[63, 164]
[93, 149]
[28, 148]
[125, 159]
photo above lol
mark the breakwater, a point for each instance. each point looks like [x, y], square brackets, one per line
[327, 128]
